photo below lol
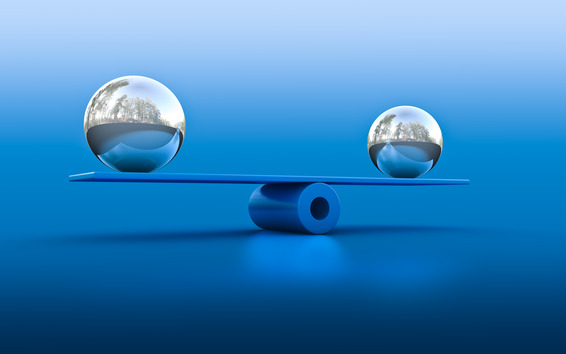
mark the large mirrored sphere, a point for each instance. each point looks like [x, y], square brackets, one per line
[405, 142]
[134, 124]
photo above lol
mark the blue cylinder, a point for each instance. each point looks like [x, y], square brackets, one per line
[296, 207]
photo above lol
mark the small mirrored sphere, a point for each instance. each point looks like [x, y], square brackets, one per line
[405, 142]
[134, 124]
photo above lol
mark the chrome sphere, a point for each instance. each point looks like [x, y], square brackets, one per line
[134, 124]
[405, 142]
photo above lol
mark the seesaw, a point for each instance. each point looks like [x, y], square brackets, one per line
[302, 204]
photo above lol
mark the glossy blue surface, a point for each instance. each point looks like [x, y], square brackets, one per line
[286, 88]
[255, 179]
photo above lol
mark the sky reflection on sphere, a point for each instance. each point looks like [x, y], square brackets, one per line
[405, 142]
[134, 124]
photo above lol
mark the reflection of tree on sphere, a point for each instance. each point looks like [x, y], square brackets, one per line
[134, 124]
[405, 142]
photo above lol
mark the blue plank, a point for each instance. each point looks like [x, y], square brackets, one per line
[253, 179]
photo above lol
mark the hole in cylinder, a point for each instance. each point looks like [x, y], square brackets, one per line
[320, 208]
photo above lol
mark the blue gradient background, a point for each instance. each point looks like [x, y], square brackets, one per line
[286, 88]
